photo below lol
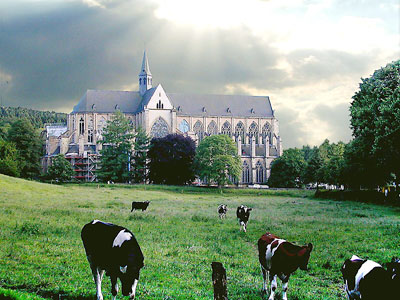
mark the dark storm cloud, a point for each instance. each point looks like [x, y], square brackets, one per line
[53, 57]
[55, 51]
[60, 50]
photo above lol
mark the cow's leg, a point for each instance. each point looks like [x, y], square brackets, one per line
[265, 277]
[285, 282]
[272, 279]
[114, 286]
[244, 227]
[98, 276]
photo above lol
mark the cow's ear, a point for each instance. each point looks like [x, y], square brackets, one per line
[123, 269]
[310, 246]
[250, 209]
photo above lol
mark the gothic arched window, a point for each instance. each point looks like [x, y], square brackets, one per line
[90, 136]
[239, 131]
[100, 127]
[144, 80]
[159, 128]
[198, 130]
[184, 126]
[212, 128]
[259, 172]
[253, 131]
[266, 132]
[226, 129]
[90, 130]
[245, 173]
[140, 80]
[81, 126]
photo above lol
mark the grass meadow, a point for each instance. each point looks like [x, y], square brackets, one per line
[180, 235]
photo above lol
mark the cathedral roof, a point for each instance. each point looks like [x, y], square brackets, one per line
[185, 104]
[108, 102]
[222, 105]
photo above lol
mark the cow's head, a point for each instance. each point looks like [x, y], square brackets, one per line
[129, 276]
[304, 255]
[394, 269]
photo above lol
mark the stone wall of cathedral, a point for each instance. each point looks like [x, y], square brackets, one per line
[257, 139]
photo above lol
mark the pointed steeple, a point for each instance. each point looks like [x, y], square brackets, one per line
[145, 78]
[145, 65]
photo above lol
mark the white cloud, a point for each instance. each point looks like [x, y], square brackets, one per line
[93, 3]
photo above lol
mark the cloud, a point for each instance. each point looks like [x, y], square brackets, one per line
[93, 3]
[308, 56]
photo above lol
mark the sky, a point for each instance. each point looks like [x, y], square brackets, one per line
[308, 56]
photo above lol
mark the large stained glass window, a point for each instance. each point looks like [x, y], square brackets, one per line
[184, 126]
[245, 173]
[159, 128]
[239, 131]
[212, 128]
[226, 129]
[198, 130]
[253, 131]
[266, 132]
[259, 172]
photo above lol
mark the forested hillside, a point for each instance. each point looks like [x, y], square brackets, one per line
[36, 117]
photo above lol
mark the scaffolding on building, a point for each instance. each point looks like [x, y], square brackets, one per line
[85, 166]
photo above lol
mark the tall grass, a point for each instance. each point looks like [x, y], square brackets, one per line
[180, 235]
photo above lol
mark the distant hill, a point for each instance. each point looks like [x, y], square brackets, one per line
[37, 117]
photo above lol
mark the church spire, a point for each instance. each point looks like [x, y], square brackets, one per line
[145, 78]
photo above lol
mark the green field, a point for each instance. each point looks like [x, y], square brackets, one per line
[180, 235]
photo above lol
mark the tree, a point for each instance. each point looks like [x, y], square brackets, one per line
[139, 157]
[171, 159]
[29, 146]
[217, 159]
[375, 122]
[287, 170]
[9, 160]
[60, 170]
[117, 149]
[334, 166]
[314, 170]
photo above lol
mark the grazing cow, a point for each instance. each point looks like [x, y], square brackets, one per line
[394, 269]
[243, 214]
[280, 258]
[222, 209]
[365, 279]
[113, 249]
[140, 205]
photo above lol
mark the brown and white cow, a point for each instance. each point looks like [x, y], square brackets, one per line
[279, 258]
[367, 280]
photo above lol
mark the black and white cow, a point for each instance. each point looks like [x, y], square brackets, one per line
[113, 249]
[279, 258]
[140, 205]
[394, 269]
[365, 279]
[243, 214]
[222, 209]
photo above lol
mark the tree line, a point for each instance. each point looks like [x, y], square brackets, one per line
[9, 115]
